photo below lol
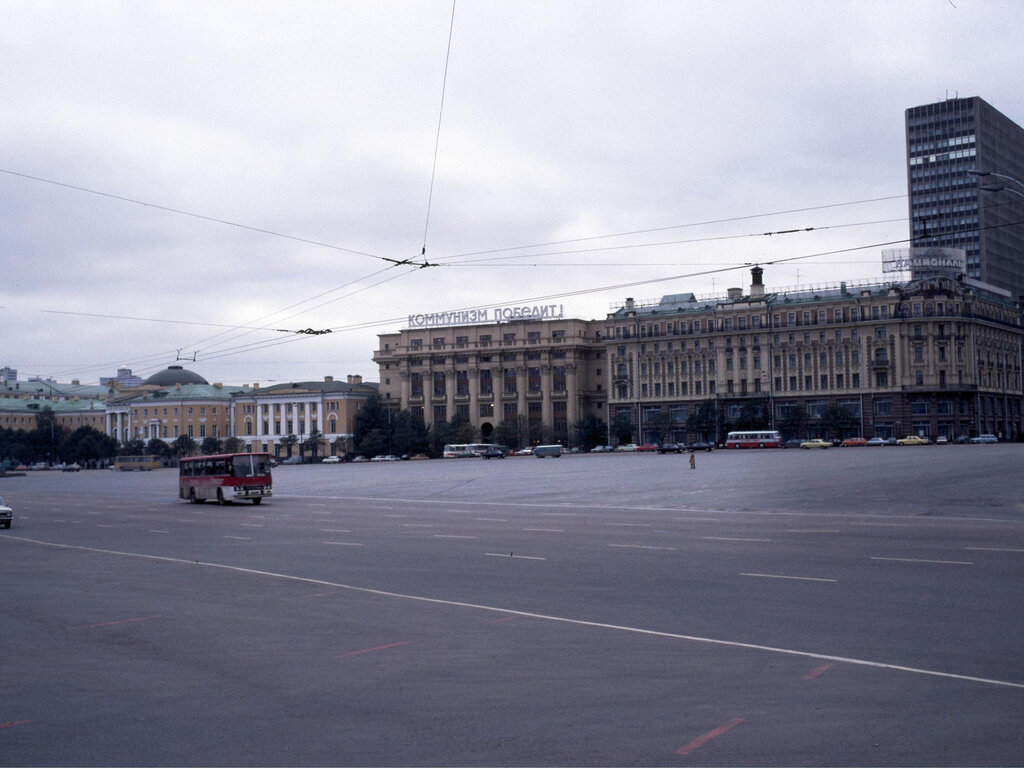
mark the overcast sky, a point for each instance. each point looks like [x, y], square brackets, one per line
[197, 179]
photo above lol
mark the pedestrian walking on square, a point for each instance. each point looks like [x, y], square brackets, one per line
[693, 460]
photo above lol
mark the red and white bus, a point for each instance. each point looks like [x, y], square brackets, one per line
[225, 477]
[754, 439]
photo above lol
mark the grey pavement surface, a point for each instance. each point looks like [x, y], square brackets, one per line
[856, 606]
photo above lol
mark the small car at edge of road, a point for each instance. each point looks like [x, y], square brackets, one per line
[816, 443]
[912, 440]
[6, 515]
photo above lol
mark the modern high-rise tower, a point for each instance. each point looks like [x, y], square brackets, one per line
[955, 150]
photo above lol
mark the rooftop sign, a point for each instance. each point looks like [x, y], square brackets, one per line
[487, 315]
[925, 262]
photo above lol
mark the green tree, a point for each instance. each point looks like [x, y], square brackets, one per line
[704, 421]
[836, 421]
[409, 435]
[289, 441]
[794, 423]
[234, 445]
[623, 427]
[374, 443]
[88, 447]
[157, 447]
[590, 431]
[133, 447]
[183, 445]
[312, 443]
[210, 446]
[661, 423]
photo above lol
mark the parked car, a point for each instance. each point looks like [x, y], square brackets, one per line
[627, 448]
[6, 515]
[942, 440]
[496, 452]
[597, 449]
[292, 460]
[912, 440]
[524, 452]
[647, 448]
[670, 448]
[793, 443]
[701, 445]
[984, 439]
[332, 460]
[73, 467]
[877, 441]
[854, 442]
[816, 443]
[359, 459]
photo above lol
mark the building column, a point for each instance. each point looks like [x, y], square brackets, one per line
[473, 381]
[572, 408]
[521, 385]
[545, 389]
[449, 392]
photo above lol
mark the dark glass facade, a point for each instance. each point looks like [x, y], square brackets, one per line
[945, 142]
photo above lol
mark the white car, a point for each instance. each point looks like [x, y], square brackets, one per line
[628, 448]
[6, 514]
[332, 460]
[984, 439]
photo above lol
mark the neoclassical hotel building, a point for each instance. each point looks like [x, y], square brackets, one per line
[934, 355]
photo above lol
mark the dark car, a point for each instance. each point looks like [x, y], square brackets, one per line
[496, 452]
[794, 443]
[701, 445]
[670, 448]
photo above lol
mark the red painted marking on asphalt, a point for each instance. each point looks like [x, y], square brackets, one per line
[507, 618]
[112, 623]
[700, 741]
[14, 723]
[370, 650]
[818, 670]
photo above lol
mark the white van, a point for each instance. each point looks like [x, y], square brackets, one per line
[541, 451]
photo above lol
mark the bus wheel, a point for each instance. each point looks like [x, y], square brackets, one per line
[220, 496]
[192, 496]
[256, 500]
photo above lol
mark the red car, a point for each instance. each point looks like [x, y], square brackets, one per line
[852, 442]
[647, 447]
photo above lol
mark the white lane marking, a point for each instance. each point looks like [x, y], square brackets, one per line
[417, 525]
[631, 525]
[558, 514]
[251, 525]
[239, 538]
[344, 543]
[795, 578]
[546, 530]
[641, 546]
[919, 560]
[731, 538]
[511, 556]
[155, 531]
[491, 519]
[451, 536]
[993, 549]
[541, 616]
[811, 530]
